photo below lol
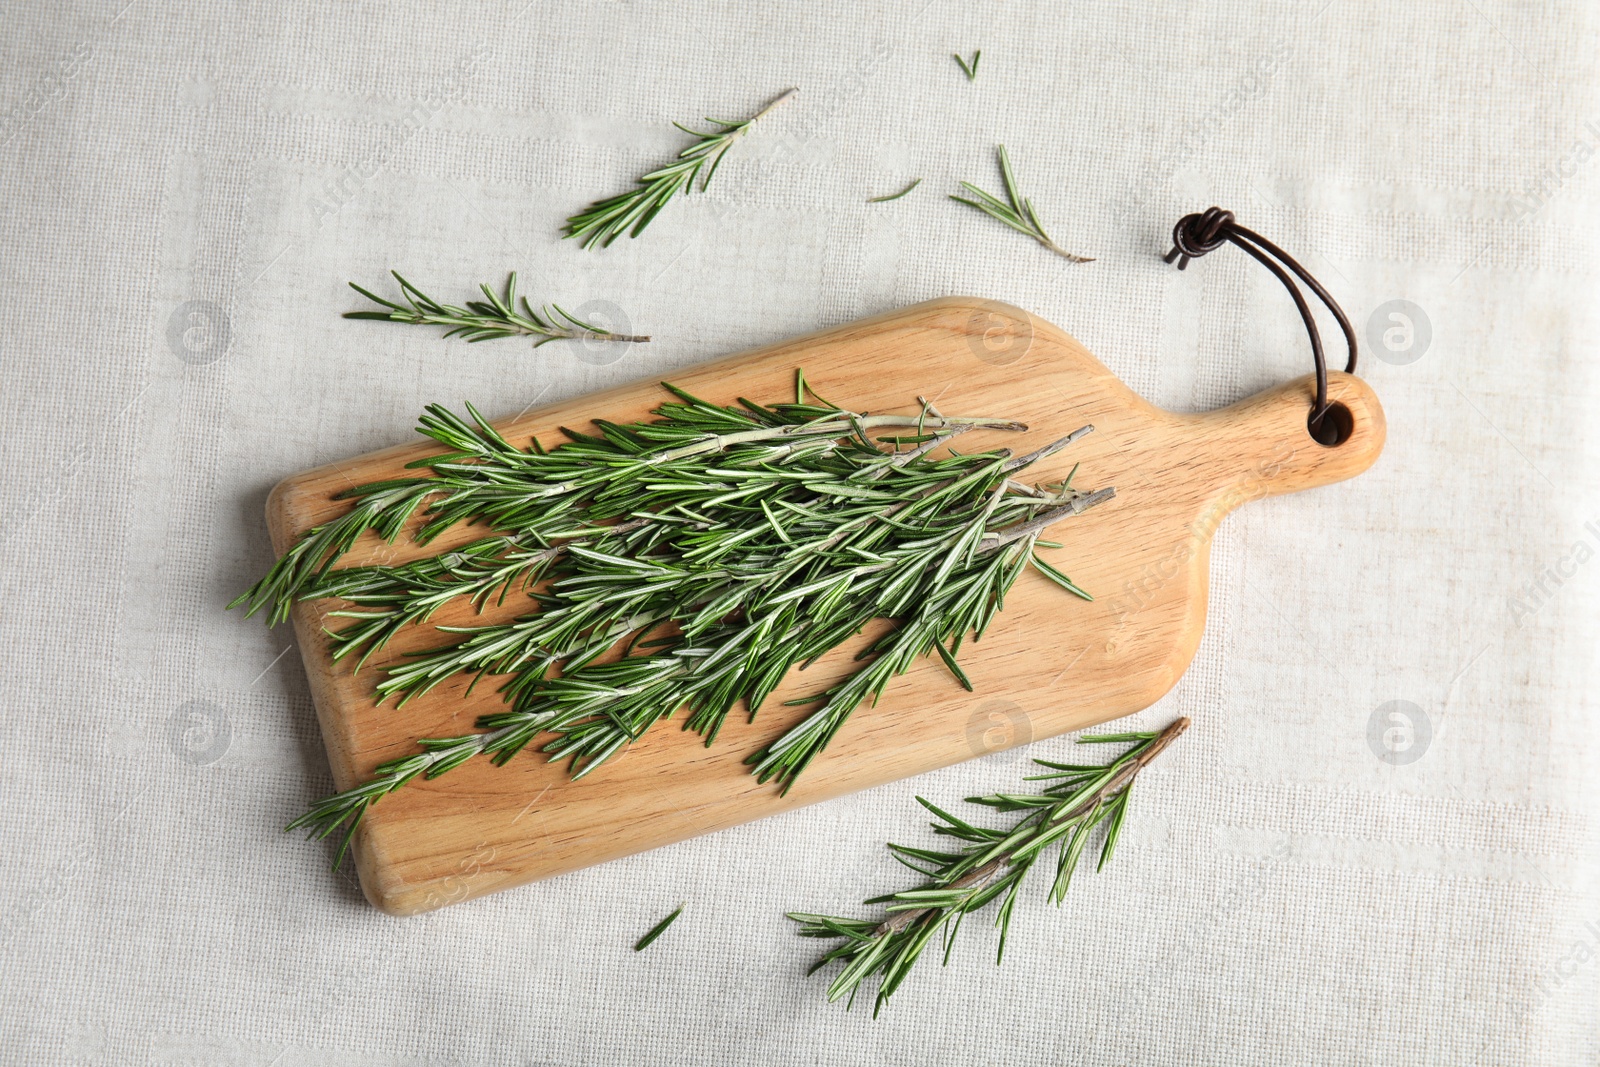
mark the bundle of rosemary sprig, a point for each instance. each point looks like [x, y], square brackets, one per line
[716, 546]
[991, 864]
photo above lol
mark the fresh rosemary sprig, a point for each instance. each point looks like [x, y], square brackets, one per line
[719, 545]
[894, 196]
[481, 320]
[969, 69]
[990, 864]
[1015, 211]
[605, 220]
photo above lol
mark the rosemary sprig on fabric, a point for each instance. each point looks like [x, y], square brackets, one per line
[656, 931]
[605, 220]
[1015, 211]
[718, 546]
[988, 866]
[894, 196]
[494, 316]
[969, 69]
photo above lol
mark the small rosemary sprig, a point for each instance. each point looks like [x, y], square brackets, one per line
[605, 220]
[894, 196]
[494, 316]
[1015, 211]
[969, 69]
[991, 864]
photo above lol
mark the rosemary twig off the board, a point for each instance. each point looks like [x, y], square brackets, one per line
[480, 320]
[969, 69]
[988, 866]
[718, 545]
[1015, 211]
[605, 220]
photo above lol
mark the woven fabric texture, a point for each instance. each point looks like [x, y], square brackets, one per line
[1378, 841]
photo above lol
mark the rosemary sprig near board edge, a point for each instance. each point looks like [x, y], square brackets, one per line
[605, 220]
[720, 546]
[481, 320]
[1015, 210]
[990, 864]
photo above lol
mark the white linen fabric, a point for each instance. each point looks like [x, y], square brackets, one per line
[1378, 841]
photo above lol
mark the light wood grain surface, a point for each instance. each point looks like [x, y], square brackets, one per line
[1050, 664]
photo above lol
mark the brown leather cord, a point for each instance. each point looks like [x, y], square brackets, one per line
[1197, 234]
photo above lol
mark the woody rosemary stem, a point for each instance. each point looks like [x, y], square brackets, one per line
[781, 98]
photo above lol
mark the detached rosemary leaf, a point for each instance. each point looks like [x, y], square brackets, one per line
[657, 930]
[993, 864]
[894, 196]
[1060, 579]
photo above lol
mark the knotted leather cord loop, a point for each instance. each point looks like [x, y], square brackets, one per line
[1196, 235]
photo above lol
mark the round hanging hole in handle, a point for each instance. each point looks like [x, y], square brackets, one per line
[1334, 428]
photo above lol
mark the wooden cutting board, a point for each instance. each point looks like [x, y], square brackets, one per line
[1051, 663]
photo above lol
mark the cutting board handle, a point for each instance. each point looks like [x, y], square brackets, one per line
[1270, 428]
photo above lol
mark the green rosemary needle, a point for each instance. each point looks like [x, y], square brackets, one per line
[657, 930]
[1015, 211]
[989, 865]
[720, 546]
[494, 316]
[605, 220]
[969, 69]
[894, 196]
